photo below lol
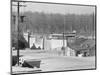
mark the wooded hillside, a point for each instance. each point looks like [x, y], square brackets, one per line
[56, 23]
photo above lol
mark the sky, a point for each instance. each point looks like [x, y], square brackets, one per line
[55, 8]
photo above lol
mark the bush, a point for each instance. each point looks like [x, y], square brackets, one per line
[39, 47]
[14, 60]
[21, 42]
[33, 47]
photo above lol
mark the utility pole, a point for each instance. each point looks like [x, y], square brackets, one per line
[18, 33]
[43, 42]
[29, 35]
[17, 27]
[63, 48]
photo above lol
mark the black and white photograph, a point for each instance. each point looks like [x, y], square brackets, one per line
[52, 37]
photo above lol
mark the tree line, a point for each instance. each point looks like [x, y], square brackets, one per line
[57, 23]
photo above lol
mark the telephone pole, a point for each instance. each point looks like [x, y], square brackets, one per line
[17, 27]
[64, 37]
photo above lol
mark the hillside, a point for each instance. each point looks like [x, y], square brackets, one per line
[56, 23]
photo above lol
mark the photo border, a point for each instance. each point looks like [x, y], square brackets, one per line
[95, 13]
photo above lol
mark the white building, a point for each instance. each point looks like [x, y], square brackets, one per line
[34, 39]
[50, 43]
